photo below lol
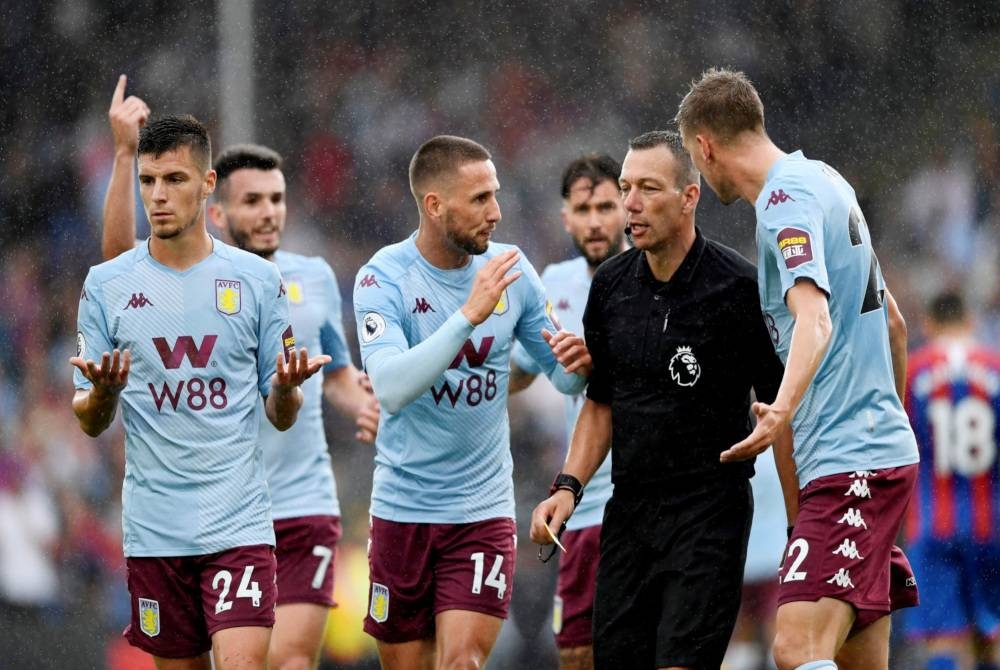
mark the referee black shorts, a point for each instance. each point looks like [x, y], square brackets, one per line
[669, 576]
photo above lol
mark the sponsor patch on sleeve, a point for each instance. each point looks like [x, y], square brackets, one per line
[373, 325]
[288, 342]
[81, 344]
[795, 247]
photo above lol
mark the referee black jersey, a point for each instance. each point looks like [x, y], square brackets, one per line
[676, 361]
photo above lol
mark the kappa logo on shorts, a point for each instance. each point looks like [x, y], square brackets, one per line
[684, 367]
[841, 579]
[848, 549]
[379, 607]
[859, 489]
[863, 474]
[852, 517]
[149, 617]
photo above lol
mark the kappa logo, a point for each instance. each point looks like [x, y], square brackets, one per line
[379, 607]
[368, 280]
[422, 306]
[778, 197]
[848, 549]
[863, 474]
[83, 294]
[562, 305]
[137, 301]
[841, 579]
[911, 581]
[684, 367]
[852, 517]
[149, 616]
[859, 489]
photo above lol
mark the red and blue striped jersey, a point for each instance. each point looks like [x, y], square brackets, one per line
[953, 401]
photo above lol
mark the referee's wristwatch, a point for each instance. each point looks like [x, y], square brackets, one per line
[569, 483]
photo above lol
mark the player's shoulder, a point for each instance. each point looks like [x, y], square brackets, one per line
[391, 261]
[243, 263]
[793, 180]
[291, 262]
[123, 263]
[562, 271]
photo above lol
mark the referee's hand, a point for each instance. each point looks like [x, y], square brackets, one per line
[551, 512]
[771, 421]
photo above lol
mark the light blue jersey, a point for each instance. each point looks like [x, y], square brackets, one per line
[809, 226]
[444, 457]
[568, 285]
[297, 461]
[204, 342]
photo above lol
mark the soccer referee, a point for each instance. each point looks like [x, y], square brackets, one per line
[678, 341]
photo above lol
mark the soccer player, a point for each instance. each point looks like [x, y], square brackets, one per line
[953, 527]
[249, 210]
[188, 333]
[437, 315]
[844, 345]
[678, 341]
[594, 217]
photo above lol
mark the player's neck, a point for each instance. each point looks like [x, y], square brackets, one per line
[438, 251]
[183, 251]
[668, 256]
[752, 167]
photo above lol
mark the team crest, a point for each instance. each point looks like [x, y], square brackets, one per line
[379, 607]
[684, 367]
[557, 615]
[502, 304]
[294, 288]
[227, 296]
[149, 617]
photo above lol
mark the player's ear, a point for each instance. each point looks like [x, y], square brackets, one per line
[433, 204]
[217, 215]
[208, 184]
[564, 215]
[691, 194]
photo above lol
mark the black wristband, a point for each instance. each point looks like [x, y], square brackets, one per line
[568, 483]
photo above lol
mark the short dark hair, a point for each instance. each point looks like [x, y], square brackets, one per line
[593, 167]
[172, 132]
[687, 173]
[947, 307]
[439, 155]
[724, 102]
[243, 156]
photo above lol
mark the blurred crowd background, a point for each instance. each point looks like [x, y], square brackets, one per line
[902, 97]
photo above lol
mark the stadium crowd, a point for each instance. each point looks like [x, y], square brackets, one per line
[904, 102]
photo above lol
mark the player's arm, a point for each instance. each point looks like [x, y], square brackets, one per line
[787, 473]
[400, 376]
[285, 397]
[897, 344]
[95, 407]
[348, 390]
[588, 449]
[810, 340]
[127, 116]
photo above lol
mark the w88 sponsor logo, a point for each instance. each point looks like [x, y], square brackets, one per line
[199, 392]
[475, 388]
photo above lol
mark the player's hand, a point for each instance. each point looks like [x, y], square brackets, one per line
[365, 382]
[552, 512]
[570, 350]
[127, 116]
[490, 282]
[298, 369]
[367, 421]
[771, 421]
[111, 375]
